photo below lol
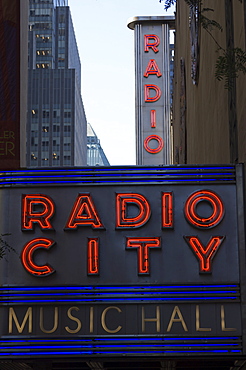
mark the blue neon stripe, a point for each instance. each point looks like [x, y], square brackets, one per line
[123, 168]
[118, 299]
[116, 293]
[115, 181]
[196, 174]
[120, 287]
[60, 353]
[120, 346]
[133, 339]
[22, 354]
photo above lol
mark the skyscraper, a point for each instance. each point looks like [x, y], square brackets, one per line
[95, 153]
[56, 124]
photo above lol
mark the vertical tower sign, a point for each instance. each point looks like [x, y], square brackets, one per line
[153, 98]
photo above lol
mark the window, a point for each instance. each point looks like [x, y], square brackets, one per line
[61, 18]
[56, 128]
[42, 25]
[43, 52]
[67, 159]
[43, 65]
[46, 114]
[43, 12]
[61, 32]
[55, 156]
[34, 157]
[61, 44]
[43, 38]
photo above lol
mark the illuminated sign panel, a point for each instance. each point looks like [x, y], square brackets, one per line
[153, 95]
[134, 258]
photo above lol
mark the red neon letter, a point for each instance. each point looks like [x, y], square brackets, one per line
[27, 257]
[152, 69]
[153, 118]
[152, 45]
[204, 222]
[204, 254]
[30, 215]
[158, 148]
[122, 217]
[84, 214]
[147, 96]
[143, 245]
[92, 256]
[167, 209]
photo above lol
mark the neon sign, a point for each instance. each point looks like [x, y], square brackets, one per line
[191, 209]
[152, 92]
[153, 62]
[132, 211]
[151, 42]
[122, 255]
[27, 257]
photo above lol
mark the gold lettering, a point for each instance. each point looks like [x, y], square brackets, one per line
[155, 319]
[73, 318]
[103, 321]
[7, 135]
[20, 328]
[42, 321]
[7, 147]
[91, 319]
[198, 320]
[10, 147]
[223, 324]
[176, 311]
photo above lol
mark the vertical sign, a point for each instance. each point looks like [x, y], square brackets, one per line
[152, 59]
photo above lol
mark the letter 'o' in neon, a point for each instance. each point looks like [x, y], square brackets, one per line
[190, 209]
[159, 147]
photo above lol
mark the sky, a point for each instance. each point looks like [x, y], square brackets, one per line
[106, 48]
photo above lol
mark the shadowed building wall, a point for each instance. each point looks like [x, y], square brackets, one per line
[13, 82]
[209, 120]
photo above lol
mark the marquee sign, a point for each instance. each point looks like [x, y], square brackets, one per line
[131, 261]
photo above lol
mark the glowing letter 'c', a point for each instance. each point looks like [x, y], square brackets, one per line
[27, 257]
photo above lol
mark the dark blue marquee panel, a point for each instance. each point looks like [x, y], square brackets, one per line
[122, 261]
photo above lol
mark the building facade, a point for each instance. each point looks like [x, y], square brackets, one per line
[13, 83]
[56, 118]
[208, 118]
[209, 113]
